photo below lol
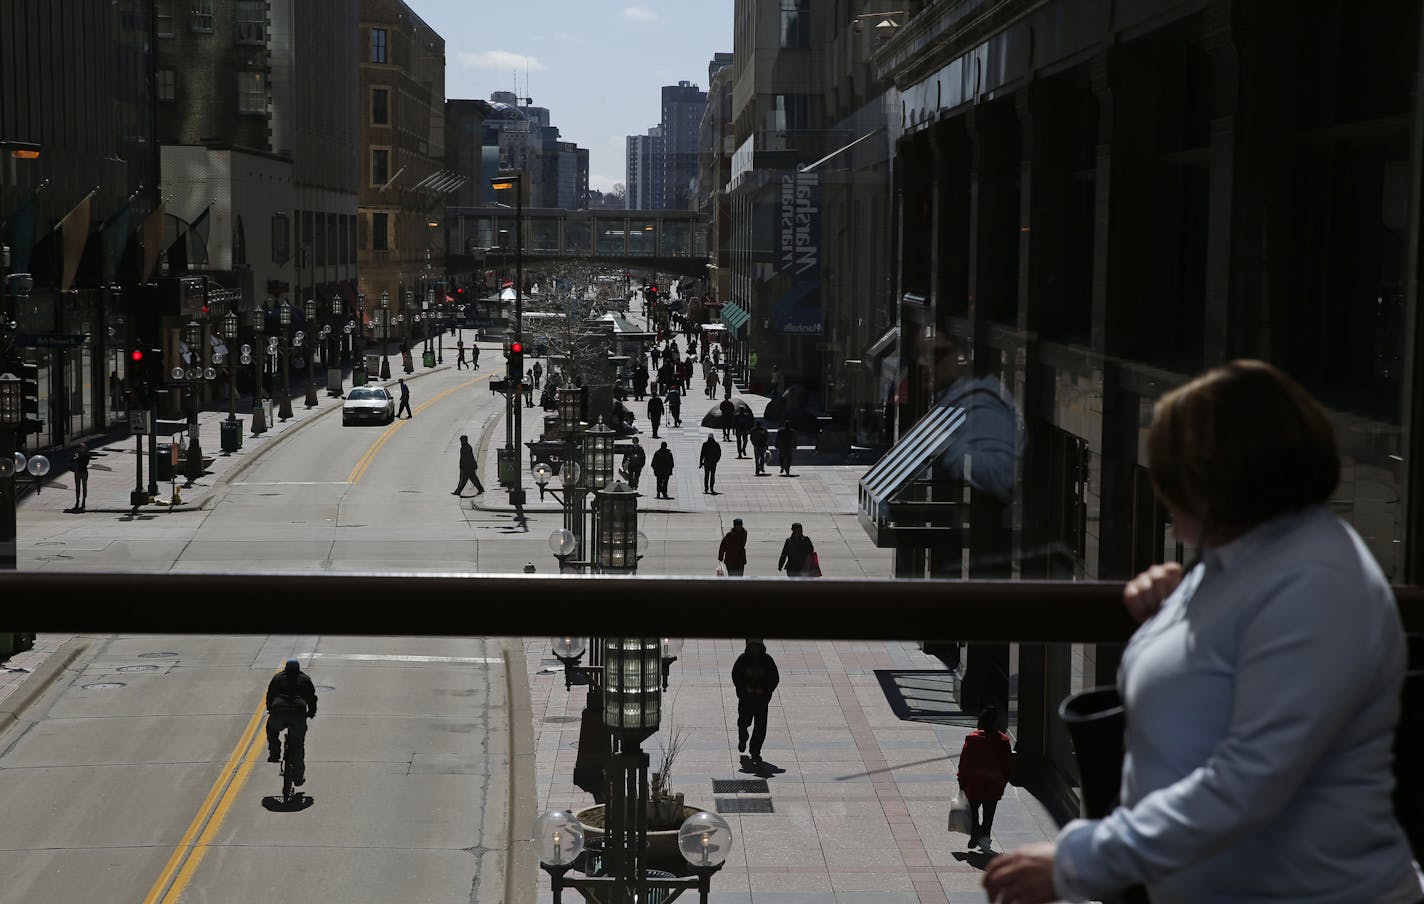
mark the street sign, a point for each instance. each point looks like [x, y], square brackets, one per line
[50, 340]
[138, 422]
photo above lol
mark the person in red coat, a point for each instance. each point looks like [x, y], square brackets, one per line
[985, 763]
[733, 551]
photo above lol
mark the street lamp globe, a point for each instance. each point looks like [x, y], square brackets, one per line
[568, 647]
[672, 647]
[642, 544]
[562, 541]
[569, 473]
[38, 465]
[7, 467]
[542, 473]
[558, 838]
[20, 461]
[632, 686]
[705, 840]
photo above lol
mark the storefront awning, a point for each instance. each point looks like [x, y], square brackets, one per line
[734, 316]
[882, 485]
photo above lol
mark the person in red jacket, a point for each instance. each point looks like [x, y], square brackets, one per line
[985, 763]
[733, 551]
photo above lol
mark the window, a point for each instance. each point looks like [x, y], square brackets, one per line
[281, 238]
[251, 22]
[163, 18]
[251, 92]
[378, 45]
[792, 113]
[200, 15]
[380, 225]
[380, 106]
[166, 84]
[380, 166]
[796, 24]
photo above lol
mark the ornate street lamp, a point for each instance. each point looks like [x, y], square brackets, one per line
[284, 317]
[383, 324]
[257, 354]
[232, 427]
[598, 456]
[333, 348]
[632, 686]
[618, 529]
[309, 309]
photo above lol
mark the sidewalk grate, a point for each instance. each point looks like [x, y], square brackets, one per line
[743, 805]
[740, 786]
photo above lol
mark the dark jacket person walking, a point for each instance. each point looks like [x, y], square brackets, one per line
[468, 469]
[794, 552]
[707, 461]
[786, 447]
[985, 763]
[760, 440]
[655, 412]
[633, 461]
[79, 467]
[662, 470]
[733, 551]
[729, 414]
[404, 400]
[755, 677]
[742, 423]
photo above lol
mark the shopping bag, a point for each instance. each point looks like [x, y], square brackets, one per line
[960, 819]
[721, 572]
[813, 565]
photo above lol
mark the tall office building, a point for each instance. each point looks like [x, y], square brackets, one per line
[644, 182]
[682, 110]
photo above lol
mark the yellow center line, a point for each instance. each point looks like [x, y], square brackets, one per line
[359, 470]
[222, 788]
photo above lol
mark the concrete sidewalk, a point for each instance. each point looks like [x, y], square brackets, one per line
[860, 763]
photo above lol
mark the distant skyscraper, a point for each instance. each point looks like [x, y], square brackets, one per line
[644, 183]
[683, 106]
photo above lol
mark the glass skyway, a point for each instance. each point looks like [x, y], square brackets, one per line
[671, 240]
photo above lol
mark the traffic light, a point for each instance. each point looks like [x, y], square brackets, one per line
[136, 358]
[516, 361]
[30, 399]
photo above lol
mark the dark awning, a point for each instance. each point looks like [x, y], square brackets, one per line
[734, 316]
[916, 451]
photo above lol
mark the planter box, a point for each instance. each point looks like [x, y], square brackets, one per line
[662, 852]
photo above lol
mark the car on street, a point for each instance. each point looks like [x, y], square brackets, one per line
[368, 405]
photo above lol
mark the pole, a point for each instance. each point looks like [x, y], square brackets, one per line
[9, 530]
[286, 410]
[516, 493]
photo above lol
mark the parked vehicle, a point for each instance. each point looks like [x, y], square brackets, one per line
[368, 405]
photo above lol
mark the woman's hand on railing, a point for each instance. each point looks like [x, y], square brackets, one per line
[1144, 594]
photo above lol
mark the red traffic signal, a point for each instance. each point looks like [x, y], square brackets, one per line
[516, 348]
[136, 356]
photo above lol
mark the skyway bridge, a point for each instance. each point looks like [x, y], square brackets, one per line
[669, 241]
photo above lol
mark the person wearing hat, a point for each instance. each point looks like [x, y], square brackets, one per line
[733, 551]
[755, 678]
[291, 701]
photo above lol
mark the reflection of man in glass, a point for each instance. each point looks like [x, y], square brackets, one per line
[983, 454]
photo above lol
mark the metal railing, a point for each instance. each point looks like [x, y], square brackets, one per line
[469, 604]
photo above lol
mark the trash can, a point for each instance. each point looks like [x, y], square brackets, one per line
[428, 359]
[358, 376]
[507, 461]
[163, 463]
[232, 435]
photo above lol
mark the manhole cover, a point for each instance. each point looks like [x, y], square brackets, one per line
[743, 805]
[156, 655]
[560, 720]
[326, 687]
[136, 668]
[103, 686]
[740, 786]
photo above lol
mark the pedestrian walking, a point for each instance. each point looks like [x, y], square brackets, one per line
[685, 372]
[460, 361]
[786, 447]
[79, 467]
[674, 405]
[526, 388]
[707, 460]
[640, 382]
[717, 354]
[742, 424]
[794, 552]
[754, 676]
[538, 372]
[985, 764]
[733, 551]
[633, 461]
[655, 412]
[656, 354]
[727, 383]
[760, 440]
[710, 390]
[474, 355]
[667, 376]
[729, 415]
[404, 400]
[468, 469]
[662, 470]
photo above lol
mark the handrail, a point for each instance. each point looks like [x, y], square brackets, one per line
[470, 604]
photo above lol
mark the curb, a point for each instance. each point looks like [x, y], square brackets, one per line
[520, 861]
[40, 680]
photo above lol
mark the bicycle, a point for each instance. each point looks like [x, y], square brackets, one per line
[289, 770]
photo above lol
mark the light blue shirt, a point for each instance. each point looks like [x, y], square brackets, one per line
[1261, 704]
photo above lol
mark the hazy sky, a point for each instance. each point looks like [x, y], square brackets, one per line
[597, 65]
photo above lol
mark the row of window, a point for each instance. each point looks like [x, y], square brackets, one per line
[251, 90]
[249, 19]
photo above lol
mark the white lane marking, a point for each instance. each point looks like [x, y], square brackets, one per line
[400, 657]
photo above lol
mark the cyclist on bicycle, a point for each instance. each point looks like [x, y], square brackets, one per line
[291, 700]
